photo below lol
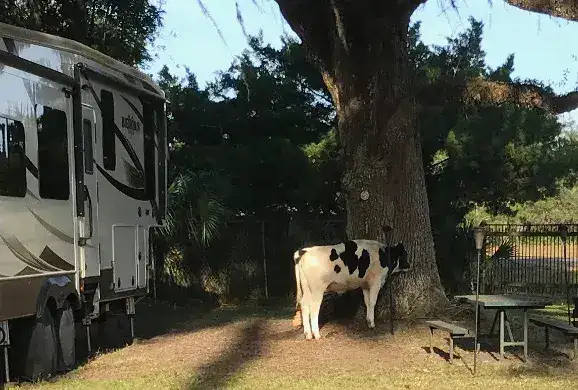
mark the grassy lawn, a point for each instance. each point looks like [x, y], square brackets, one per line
[256, 348]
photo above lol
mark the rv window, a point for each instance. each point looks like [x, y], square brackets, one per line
[53, 180]
[108, 125]
[12, 159]
[87, 139]
[149, 127]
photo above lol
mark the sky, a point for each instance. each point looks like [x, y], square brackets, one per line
[542, 45]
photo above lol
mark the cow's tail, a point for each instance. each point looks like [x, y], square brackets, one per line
[296, 257]
[297, 320]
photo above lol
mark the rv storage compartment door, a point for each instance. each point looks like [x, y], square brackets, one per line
[124, 257]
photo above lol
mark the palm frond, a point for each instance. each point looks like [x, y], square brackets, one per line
[196, 213]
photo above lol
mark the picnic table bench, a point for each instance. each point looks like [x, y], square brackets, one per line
[454, 330]
[501, 303]
[563, 327]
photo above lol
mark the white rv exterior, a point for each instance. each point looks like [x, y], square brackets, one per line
[83, 155]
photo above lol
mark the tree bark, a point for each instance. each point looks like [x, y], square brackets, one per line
[379, 131]
[565, 9]
[362, 51]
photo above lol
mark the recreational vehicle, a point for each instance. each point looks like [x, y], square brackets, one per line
[83, 183]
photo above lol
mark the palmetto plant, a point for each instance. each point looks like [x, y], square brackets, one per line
[460, 251]
[196, 213]
[196, 216]
[504, 251]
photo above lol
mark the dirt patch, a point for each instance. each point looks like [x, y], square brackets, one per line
[232, 347]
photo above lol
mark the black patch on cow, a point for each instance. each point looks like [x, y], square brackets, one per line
[383, 258]
[392, 256]
[301, 253]
[333, 255]
[363, 263]
[349, 257]
[386, 256]
[337, 269]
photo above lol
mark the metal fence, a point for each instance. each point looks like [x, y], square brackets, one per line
[250, 258]
[531, 259]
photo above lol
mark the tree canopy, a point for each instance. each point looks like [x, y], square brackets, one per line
[266, 125]
[120, 29]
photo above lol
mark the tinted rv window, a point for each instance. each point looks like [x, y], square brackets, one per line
[149, 127]
[108, 138]
[53, 180]
[87, 140]
[12, 159]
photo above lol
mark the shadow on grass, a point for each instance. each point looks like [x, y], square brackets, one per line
[218, 373]
[159, 318]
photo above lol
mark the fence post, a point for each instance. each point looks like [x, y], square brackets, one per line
[564, 234]
[264, 258]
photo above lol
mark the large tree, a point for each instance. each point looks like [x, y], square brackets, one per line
[361, 49]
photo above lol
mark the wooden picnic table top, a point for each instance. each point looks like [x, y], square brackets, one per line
[506, 301]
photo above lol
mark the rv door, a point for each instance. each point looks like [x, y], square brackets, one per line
[90, 252]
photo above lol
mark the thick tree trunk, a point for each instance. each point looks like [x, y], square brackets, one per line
[362, 51]
[378, 129]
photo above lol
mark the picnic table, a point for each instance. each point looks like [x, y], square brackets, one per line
[501, 303]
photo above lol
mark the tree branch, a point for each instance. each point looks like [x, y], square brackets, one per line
[314, 23]
[486, 92]
[566, 9]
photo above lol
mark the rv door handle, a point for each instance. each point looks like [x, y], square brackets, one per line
[87, 196]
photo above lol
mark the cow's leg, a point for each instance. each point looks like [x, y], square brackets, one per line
[366, 300]
[373, 292]
[316, 300]
[306, 314]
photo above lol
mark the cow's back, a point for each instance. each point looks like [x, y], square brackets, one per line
[341, 267]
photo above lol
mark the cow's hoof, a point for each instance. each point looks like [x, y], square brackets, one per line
[308, 337]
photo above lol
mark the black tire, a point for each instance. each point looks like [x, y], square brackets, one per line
[66, 337]
[41, 358]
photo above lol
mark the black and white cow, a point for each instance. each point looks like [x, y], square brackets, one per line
[339, 268]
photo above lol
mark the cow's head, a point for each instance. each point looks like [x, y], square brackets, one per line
[394, 258]
[399, 254]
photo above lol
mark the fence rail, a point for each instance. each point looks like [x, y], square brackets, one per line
[531, 259]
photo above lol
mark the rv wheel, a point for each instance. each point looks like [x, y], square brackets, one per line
[41, 357]
[65, 329]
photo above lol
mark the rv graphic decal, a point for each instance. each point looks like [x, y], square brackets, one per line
[134, 109]
[130, 124]
[134, 176]
[31, 167]
[47, 262]
[54, 260]
[134, 193]
[30, 194]
[53, 230]
[10, 46]
[27, 271]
